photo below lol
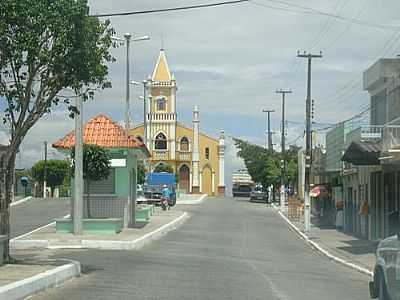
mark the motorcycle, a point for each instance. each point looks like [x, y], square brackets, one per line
[164, 203]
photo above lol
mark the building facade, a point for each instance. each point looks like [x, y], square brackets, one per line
[195, 157]
[371, 173]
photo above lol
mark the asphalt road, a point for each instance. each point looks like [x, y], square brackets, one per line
[228, 249]
[36, 212]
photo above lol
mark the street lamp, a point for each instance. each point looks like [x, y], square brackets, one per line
[127, 40]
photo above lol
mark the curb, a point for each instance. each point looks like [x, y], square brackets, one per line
[32, 285]
[21, 201]
[104, 244]
[35, 230]
[317, 247]
[190, 202]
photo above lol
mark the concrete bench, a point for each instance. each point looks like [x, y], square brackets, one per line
[3, 240]
[96, 226]
[143, 213]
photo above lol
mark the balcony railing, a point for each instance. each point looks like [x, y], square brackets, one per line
[161, 117]
[184, 156]
[160, 155]
[371, 132]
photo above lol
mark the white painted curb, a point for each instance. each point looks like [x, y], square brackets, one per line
[104, 244]
[322, 250]
[32, 285]
[35, 230]
[190, 202]
[21, 201]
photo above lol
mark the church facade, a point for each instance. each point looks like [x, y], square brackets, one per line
[195, 157]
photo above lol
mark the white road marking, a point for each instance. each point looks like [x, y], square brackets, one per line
[21, 201]
[37, 229]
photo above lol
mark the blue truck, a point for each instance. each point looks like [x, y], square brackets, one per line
[154, 183]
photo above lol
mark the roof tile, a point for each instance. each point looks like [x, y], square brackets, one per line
[102, 131]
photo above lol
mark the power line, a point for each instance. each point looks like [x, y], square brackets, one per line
[347, 28]
[328, 24]
[281, 8]
[351, 85]
[141, 12]
[311, 10]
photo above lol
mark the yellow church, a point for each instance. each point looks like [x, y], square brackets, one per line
[197, 158]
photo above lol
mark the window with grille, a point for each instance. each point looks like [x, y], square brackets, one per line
[161, 104]
[160, 142]
[184, 144]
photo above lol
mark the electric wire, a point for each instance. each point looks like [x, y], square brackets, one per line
[140, 12]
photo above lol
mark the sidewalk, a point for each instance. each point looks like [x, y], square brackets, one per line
[130, 238]
[339, 245]
[27, 277]
[191, 199]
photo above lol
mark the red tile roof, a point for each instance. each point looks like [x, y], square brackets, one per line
[102, 131]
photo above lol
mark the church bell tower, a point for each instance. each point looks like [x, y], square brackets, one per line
[161, 107]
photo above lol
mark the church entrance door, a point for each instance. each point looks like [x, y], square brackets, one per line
[184, 178]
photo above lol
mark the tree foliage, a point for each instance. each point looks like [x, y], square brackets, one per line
[50, 52]
[96, 167]
[57, 171]
[96, 162]
[141, 173]
[264, 166]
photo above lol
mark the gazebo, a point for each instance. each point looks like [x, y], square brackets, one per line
[108, 197]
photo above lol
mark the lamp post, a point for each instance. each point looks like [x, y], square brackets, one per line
[127, 39]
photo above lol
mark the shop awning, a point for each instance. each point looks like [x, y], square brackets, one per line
[363, 153]
[318, 190]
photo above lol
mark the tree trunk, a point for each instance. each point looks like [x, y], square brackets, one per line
[7, 162]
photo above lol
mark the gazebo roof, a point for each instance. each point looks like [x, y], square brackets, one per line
[102, 131]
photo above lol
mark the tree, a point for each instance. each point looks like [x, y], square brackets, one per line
[50, 51]
[96, 166]
[57, 171]
[264, 166]
[141, 173]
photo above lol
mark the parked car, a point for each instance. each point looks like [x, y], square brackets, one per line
[386, 280]
[258, 194]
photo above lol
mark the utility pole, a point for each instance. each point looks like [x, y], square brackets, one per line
[269, 134]
[307, 208]
[144, 113]
[78, 175]
[131, 202]
[283, 146]
[128, 40]
[45, 171]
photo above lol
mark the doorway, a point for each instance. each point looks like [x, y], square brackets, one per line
[184, 178]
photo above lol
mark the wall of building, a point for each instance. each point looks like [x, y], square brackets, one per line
[204, 142]
[335, 139]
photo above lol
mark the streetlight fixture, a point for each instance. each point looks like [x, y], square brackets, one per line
[126, 40]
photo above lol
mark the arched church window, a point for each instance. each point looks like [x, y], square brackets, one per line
[184, 144]
[161, 103]
[160, 142]
[207, 153]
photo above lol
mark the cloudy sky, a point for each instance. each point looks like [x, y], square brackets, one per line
[229, 60]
